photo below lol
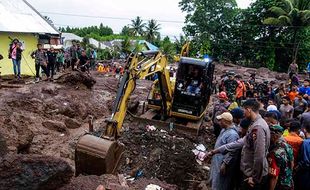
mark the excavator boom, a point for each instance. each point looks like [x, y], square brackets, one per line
[99, 155]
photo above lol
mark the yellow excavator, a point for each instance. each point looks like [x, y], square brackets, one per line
[176, 104]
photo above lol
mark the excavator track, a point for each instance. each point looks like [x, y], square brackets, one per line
[189, 129]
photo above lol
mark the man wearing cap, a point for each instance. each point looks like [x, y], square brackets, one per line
[223, 165]
[281, 161]
[254, 145]
[219, 108]
[230, 86]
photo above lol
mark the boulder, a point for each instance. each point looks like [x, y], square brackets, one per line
[282, 76]
[55, 126]
[29, 172]
[52, 90]
[72, 123]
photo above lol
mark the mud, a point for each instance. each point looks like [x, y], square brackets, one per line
[33, 172]
[47, 118]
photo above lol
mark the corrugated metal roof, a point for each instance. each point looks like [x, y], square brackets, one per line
[70, 36]
[20, 16]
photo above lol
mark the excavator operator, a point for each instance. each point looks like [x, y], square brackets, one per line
[193, 81]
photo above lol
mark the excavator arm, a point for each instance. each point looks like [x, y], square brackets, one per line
[99, 155]
[139, 66]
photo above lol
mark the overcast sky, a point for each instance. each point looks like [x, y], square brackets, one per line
[125, 10]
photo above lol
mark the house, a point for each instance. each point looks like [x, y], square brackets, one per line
[67, 39]
[145, 45]
[18, 19]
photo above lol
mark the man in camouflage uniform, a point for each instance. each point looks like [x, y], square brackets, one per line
[230, 86]
[281, 161]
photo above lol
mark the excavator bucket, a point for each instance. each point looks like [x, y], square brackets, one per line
[97, 156]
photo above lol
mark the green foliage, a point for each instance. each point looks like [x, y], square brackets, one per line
[126, 31]
[221, 29]
[293, 14]
[168, 48]
[152, 31]
[91, 30]
[104, 54]
[137, 26]
[126, 46]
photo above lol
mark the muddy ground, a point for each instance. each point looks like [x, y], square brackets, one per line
[47, 118]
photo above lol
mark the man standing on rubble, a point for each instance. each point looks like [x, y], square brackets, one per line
[40, 61]
[255, 145]
[230, 86]
[223, 165]
[73, 54]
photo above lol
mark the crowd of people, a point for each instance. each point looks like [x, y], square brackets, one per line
[263, 131]
[49, 61]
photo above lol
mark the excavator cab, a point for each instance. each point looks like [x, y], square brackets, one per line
[193, 87]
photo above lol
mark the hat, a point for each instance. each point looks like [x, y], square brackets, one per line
[237, 113]
[276, 129]
[222, 95]
[231, 73]
[272, 108]
[279, 115]
[226, 116]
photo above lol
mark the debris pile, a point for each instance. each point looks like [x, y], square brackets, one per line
[157, 154]
[76, 78]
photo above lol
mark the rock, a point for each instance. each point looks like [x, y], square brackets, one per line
[92, 182]
[55, 126]
[156, 154]
[29, 172]
[51, 89]
[282, 76]
[263, 71]
[64, 153]
[25, 138]
[24, 135]
[72, 123]
[133, 104]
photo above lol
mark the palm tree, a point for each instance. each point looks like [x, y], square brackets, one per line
[137, 26]
[152, 30]
[291, 13]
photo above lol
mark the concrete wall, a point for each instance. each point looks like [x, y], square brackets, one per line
[27, 63]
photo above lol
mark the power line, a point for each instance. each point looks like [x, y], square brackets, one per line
[106, 17]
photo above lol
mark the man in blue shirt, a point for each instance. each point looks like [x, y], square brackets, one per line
[305, 89]
[303, 166]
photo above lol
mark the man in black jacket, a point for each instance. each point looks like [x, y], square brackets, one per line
[51, 62]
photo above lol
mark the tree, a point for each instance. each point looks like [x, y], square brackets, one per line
[209, 24]
[85, 43]
[137, 26]
[126, 31]
[291, 13]
[126, 46]
[168, 48]
[152, 30]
